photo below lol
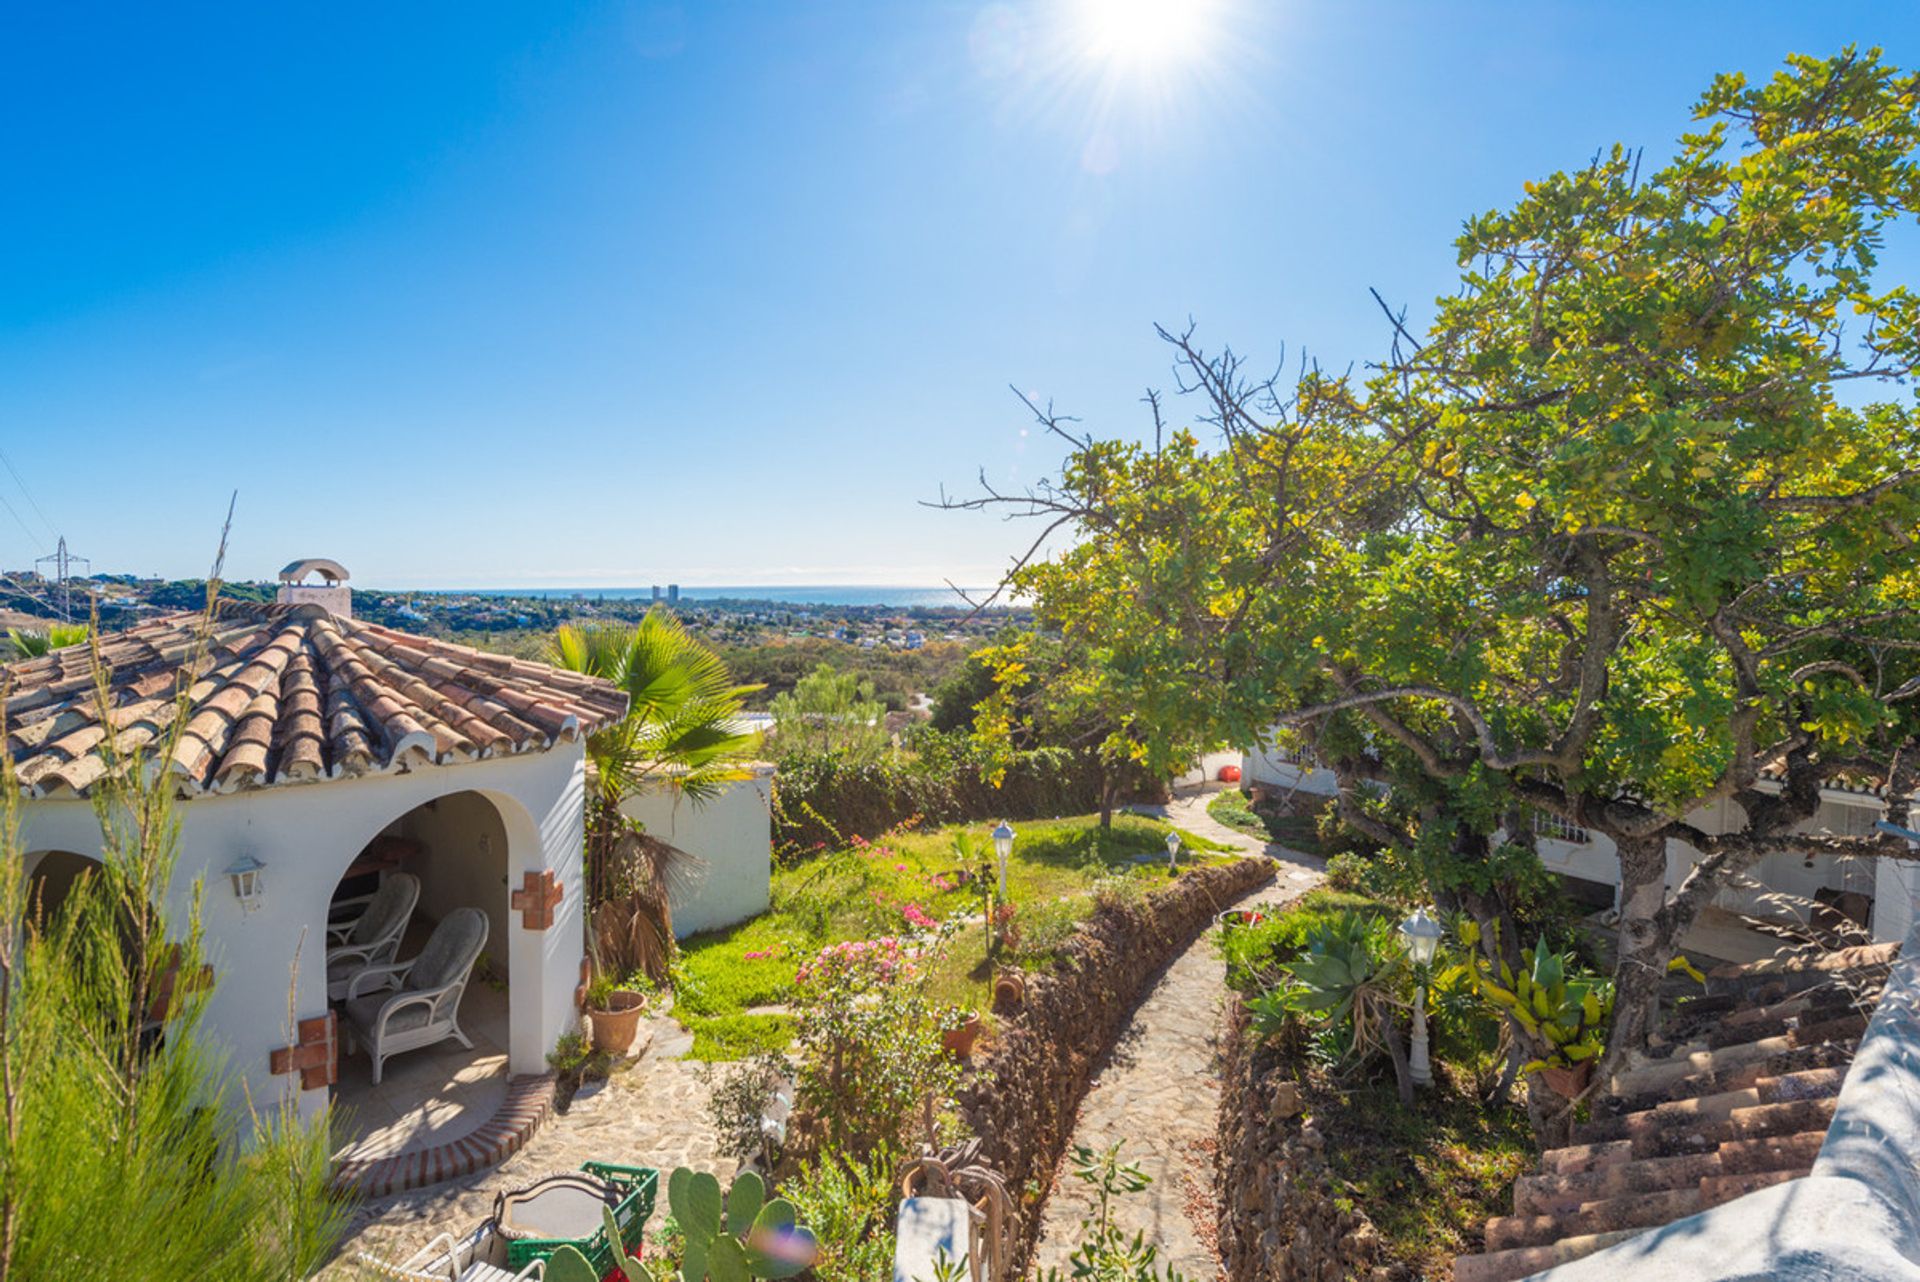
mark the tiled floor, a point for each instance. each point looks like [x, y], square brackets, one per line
[429, 1096]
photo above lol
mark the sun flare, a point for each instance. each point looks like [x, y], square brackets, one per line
[1143, 33]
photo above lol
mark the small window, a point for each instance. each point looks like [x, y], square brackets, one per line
[1558, 829]
[1305, 757]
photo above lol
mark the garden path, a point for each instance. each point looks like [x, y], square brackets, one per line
[1159, 1089]
[651, 1114]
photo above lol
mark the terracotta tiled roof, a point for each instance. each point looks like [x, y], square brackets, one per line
[1736, 1096]
[287, 694]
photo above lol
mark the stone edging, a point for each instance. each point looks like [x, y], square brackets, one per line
[1280, 1218]
[528, 1104]
[1022, 1101]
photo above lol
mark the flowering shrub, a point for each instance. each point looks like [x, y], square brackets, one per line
[869, 1043]
[918, 917]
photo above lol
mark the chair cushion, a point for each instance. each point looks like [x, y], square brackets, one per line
[452, 950]
[365, 1014]
[390, 907]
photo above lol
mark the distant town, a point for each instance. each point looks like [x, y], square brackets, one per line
[521, 623]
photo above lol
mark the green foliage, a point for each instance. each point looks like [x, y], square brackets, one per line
[120, 1151]
[850, 1203]
[684, 706]
[1348, 872]
[31, 643]
[832, 712]
[1256, 953]
[1105, 1253]
[896, 674]
[870, 1053]
[1347, 979]
[824, 800]
[737, 1036]
[1628, 522]
[739, 1235]
[739, 1101]
[1061, 871]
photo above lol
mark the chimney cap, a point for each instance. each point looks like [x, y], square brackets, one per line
[331, 571]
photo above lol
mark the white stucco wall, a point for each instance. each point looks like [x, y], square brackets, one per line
[1275, 768]
[464, 863]
[732, 833]
[306, 835]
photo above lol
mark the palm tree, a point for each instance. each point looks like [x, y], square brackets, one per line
[31, 643]
[681, 731]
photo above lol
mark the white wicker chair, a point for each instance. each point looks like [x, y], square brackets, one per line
[403, 1006]
[373, 937]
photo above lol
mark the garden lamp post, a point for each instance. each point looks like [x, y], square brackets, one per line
[1173, 851]
[1422, 935]
[1003, 847]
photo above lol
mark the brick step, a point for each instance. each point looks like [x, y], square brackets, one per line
[1608, 1215]
[1552, 1193]
[1798, 1059]
[1524, 1261]
[1814, 1083]
[1585, 1157]
[1559, 1194]
[1776, 977]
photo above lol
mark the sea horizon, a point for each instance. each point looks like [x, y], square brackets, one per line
[818, 594]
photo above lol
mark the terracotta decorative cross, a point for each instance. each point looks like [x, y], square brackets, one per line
[539, 895]
[315, 1054]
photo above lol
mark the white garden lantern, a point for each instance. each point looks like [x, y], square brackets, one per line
[249, 881]
[1003, 848]
[1173, 850]
[1422, 935]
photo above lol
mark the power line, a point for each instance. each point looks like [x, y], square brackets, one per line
[26, 529]
[21, 481]
[63, 562]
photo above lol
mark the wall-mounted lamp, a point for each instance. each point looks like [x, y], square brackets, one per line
[249, 882]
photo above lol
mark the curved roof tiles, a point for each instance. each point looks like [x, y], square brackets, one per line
[282, 694]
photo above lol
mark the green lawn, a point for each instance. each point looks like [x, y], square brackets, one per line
[1300, 831]
[872, 889]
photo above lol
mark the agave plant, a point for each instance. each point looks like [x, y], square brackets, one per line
[31, 643]
[681, 730]
[1349, 978]
[1565, 1013]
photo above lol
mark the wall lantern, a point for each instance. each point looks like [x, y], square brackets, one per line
[249, 882]
[1003, 847]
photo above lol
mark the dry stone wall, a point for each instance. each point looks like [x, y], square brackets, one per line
[1022, 1100]
[1282, 1215]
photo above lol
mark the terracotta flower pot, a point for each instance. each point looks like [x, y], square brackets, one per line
[614, 1027]
[1009, 990]
[1568, 1082]
[959, 1041]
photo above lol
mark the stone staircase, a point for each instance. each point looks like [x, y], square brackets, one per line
[1737, 1096]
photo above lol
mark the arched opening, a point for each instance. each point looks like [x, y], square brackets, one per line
[52, 876]
[418, 978]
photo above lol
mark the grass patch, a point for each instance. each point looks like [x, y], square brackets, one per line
[722, 1037]
[1299, 830]
[1428, 1177]
[876, 888]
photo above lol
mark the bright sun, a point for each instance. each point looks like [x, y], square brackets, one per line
[1143, 33]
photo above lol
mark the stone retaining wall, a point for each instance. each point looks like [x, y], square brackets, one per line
[1022, 1100]
[1281, 1213]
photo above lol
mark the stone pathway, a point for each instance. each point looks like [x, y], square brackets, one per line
[1159, 1091]
[651, 1114]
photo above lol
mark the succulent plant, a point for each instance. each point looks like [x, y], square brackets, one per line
[732, 1238]
[740, 1236]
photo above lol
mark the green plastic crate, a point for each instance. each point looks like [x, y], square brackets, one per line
[640, 1185]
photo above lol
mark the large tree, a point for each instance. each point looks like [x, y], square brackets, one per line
[1626, 534]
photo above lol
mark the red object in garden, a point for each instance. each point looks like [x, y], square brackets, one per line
[1229, 774]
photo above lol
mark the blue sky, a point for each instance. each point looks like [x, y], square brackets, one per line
[487, 294]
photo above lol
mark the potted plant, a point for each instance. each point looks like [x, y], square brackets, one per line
[960, 1030]
[1009, 989]
[614, 1010]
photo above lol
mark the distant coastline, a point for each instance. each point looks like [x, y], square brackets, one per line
[841, 594]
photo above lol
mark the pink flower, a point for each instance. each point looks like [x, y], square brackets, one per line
[917, 916]
[899, 867]
[755, 956]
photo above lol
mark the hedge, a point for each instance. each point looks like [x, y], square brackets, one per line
[821, 800]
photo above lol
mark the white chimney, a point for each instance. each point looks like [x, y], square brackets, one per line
[331, 594]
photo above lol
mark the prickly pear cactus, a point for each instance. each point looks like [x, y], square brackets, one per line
[737, 1237]
[568, 1265]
